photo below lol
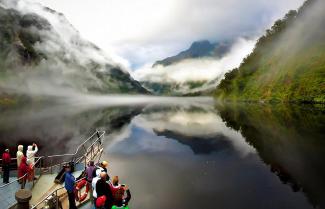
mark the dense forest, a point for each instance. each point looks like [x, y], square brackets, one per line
[287, 64]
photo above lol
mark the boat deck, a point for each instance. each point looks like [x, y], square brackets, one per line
[6, 197]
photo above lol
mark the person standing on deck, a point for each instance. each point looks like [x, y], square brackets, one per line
[93, 186]
[69, 183]
[19, 154]
[102, 167]
[31, 171]
[89, 177]
[6, 160]
[23, 171]
[103, 189]
[30, 154]
[118, 192]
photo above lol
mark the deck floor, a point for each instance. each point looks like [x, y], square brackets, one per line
[7, 194]
[44, 186]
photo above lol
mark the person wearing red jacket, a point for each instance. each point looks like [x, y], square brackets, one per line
[6, 160]
[23, 171]
[118, 192]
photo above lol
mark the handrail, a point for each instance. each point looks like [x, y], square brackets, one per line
[55, 191]
[62, 155]
[51, 194]
[74, 154]
[2, 186]
[78, 159]
[13, 158]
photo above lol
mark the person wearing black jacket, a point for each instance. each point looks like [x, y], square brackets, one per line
[103, 188]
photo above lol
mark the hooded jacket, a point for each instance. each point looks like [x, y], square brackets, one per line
[23, 168]
[117, 192]
[30, 154]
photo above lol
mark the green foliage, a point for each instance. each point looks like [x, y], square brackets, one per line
[287, 64]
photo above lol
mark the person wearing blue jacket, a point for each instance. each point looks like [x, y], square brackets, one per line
[69, 183]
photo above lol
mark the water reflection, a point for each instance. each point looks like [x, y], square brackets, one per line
[201, 129]
[193, 156]
[58, 128]
[211, 158]
[289, 139]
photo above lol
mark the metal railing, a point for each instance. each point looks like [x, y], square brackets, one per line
[53, 196]
[90, 153]
[45, 163]
[93, 150]
[37, 162]
[62, 159]
[11, 164]
[73, 156]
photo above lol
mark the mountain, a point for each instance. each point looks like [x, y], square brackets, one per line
[40, 49]
[287, 64]
[198, 49]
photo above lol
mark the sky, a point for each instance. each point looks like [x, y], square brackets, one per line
[143, 31]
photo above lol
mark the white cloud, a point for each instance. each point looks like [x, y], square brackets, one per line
[144, 31]
[204, 69]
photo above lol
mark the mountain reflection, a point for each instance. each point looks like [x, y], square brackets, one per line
[288, 138]
[260, 156]
[199, 128]
[58, 129]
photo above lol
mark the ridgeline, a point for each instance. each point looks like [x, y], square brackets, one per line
[287, 64]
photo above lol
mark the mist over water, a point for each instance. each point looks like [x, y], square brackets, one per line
[55, 116]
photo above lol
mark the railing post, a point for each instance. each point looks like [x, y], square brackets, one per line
[51, 165]
[40, 167]
[23, 197]
[91, 152]
[98, 135]
[57, 199]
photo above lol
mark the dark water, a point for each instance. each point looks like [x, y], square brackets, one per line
[212, 156]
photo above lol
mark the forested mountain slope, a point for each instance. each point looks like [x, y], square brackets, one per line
[40, 49]
[287, 64]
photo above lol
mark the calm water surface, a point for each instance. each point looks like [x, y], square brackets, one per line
[194, 156]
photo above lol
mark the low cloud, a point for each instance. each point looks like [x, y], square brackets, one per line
[204, 69]
[144, 31]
